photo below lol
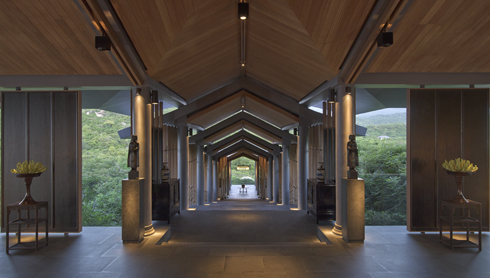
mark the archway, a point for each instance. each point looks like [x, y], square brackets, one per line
[243, 178]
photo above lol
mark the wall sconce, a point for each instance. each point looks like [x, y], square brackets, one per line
[138, 91]
[242, 10]
[102, 43]
[331, 96]
[385, 39]
[154, 97]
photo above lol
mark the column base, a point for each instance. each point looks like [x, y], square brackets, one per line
[337, 230]
[149, 230]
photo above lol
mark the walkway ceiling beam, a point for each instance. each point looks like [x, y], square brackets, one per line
[240, 154]
[243, 145]
[236, 118]
[245, 134]
[253, 87]
[240, 139]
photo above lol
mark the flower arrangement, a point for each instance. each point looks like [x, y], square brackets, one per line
[459, 165]
[28, 167]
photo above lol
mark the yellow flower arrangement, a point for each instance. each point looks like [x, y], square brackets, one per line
[28, 167]
[459, 165]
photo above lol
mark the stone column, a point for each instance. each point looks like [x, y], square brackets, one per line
[285, 171]
[142, 120]
[209, 168]
[269, 180]
[345, 125]
[302, 166]
[215, 180]
[182, 161]
[276, 175]
[200, 173]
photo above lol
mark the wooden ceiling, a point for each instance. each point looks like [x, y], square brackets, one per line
[242, 101]
[193, 47]
[439, 36]
[243, 125]
[49, 37]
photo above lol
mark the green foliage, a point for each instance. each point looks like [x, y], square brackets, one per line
[390, 130]
[397, 118]
[104, 166]
[241, 176]
[383, 167]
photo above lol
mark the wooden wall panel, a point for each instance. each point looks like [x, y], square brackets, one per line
[445, 124]
[45, 127]
[475, 146]
[39, 145]
[448, 143]
[14, 117]
[315, 149]
[422, 191]
[192, 176]
[65, 191]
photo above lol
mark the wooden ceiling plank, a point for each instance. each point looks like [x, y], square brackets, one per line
[215, 106]
[272, 107]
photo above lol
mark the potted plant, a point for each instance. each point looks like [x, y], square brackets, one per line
[28, 170]
[459, 168]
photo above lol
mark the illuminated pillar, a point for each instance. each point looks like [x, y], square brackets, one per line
[285, 171]
[215, 180]
[269, 179]
[209, 169]
[276, 175]
[302, 165]
[142, 120]
[345, 125]
[200, 173]
[182, 161]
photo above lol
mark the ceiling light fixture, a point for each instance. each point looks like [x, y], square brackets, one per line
[154, 97]
[102, 43]
[242, 10]
[385, 39]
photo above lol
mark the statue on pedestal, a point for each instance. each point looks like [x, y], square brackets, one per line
[133, 157]
[352, 157]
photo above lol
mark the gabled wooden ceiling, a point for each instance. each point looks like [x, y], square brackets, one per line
[244, 152]
[193, 47]
[242, 138]
[439, 36]
[242, 101]
[240, 125]
[49, 37]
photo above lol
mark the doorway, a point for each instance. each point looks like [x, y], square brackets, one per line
[243, 178]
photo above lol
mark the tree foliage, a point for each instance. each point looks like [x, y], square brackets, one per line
[243, 176]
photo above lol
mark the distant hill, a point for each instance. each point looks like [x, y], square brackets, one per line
[398, 118]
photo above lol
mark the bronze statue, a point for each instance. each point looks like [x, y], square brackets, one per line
[133, 153]
[352, 157]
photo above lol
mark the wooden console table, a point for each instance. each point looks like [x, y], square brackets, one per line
[26, 221]
[465, 218]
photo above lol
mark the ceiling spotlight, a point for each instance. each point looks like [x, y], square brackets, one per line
[385, 39]
[102, 43]
[154, 97]
[331, 96]
[242, 10]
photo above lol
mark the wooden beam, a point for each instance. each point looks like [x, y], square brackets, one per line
[106, 19]
[243, 134]
[244, 145]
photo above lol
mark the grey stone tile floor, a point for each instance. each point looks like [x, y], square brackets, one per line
[210, 242]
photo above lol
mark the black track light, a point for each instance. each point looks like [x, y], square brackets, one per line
[242, 10]
[102, 43]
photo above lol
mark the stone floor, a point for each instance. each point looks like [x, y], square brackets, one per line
[236, 193]
[210, 242]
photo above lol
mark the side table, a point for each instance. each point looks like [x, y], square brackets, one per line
[26, 221]
[465, 218]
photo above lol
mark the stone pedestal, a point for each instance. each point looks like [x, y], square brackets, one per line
[353, 210]
[133, 210]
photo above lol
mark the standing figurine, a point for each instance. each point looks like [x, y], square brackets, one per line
[133, 157]
[352, 157]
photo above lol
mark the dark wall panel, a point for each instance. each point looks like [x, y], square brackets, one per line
[445, 124]
[423, 191]
[475, 143]
[44, 127]
[448, 139]
[65, 160]
[39, 145]
[13, 147]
